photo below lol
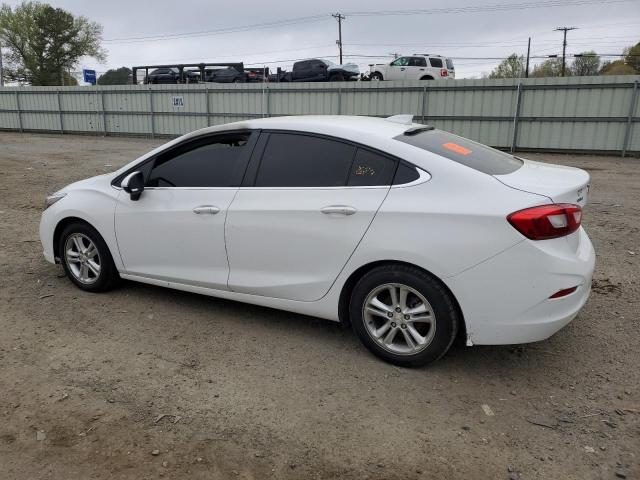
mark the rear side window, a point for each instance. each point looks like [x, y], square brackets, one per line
[436, 62]
[418, 62]
[371, 169]
[212, 162]
[297, 160]
[466, 152]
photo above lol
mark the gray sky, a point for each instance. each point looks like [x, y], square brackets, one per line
[603, 27]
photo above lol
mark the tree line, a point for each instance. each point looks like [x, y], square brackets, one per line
[583, 64]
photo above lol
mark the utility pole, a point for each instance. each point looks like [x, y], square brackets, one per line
[339, 17]
[564, 44]
[526, 72]
[1, 70]
[395, 54]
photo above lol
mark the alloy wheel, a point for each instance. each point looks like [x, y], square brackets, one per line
[399, 318]
[83, 258]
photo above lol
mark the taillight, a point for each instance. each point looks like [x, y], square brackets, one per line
[547, 221]
[444, 72]
[564, 292]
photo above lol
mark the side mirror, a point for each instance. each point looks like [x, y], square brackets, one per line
[133, 184]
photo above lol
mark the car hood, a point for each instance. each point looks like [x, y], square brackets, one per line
[561, 184]
[349, 67]
[88, 183]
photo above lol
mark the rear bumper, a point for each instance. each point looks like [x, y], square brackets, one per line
[505, 300]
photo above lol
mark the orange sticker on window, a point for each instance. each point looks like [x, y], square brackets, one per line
[454, 147]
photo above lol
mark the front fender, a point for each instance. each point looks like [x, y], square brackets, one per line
[98, 208]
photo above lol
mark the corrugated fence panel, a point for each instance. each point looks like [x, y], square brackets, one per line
[574, 113]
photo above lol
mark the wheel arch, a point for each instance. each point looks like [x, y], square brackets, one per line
[62, 224]
[356, 275]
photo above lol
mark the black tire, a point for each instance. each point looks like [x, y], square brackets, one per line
[336, 77]
[108, 277]
[447, 318]
[427, 77]
[376, 76]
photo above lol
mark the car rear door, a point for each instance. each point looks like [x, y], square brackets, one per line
[417, 68]
[301, 71]
[175, 230]
[306, 203]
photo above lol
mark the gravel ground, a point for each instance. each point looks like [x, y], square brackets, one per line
[146, 382]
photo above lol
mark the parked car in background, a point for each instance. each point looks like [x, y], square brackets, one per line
[414, 67]
[319, 70]
[408, 233]
[233, 75]
[171, 75]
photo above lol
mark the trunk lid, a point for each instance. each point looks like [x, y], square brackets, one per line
[561, 184]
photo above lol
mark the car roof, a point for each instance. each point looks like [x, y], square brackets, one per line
[345, 126]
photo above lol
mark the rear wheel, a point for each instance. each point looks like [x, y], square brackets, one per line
[86, 259]
[403, 315]
[427, 77]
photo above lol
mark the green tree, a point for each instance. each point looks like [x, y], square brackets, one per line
[43, 42]
[632, 57]
[511, 67]
[587, 64]
[118, 76]
[549, 68]
[617, 67]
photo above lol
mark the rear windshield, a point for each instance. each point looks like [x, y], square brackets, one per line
[449, 64]
[474, 155]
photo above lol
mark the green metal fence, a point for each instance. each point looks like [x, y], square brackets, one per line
[589, 114]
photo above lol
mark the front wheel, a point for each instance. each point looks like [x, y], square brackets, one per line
[86, 259]
[403, 315]
[376, 76]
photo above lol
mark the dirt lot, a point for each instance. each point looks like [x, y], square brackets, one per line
[90, 384]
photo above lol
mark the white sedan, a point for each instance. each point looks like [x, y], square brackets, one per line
[412, 235]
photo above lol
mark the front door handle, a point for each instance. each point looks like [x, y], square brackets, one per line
[206, 209]
[402, 69]
[338, 209]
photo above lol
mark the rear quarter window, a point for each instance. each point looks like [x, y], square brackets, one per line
[436, 62]
[466, 152]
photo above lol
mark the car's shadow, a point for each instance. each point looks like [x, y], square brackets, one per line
[338, 340]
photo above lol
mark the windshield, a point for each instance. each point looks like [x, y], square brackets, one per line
[328, 63]
[464, 151]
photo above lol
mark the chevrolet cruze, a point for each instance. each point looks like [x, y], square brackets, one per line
[411, 235]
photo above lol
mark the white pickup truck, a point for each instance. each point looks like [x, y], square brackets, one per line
[414, 67]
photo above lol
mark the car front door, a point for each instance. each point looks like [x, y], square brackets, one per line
[175, 231]
[397, 69]
[305, 205]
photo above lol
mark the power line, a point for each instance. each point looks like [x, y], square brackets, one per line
[220, 31]
[485, 8]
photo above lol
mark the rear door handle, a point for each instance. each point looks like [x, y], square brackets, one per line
[206, 209]
[338, 210]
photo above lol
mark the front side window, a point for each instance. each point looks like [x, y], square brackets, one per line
[298, 160]
[210, 162]
[400, 62]
[436, 62]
